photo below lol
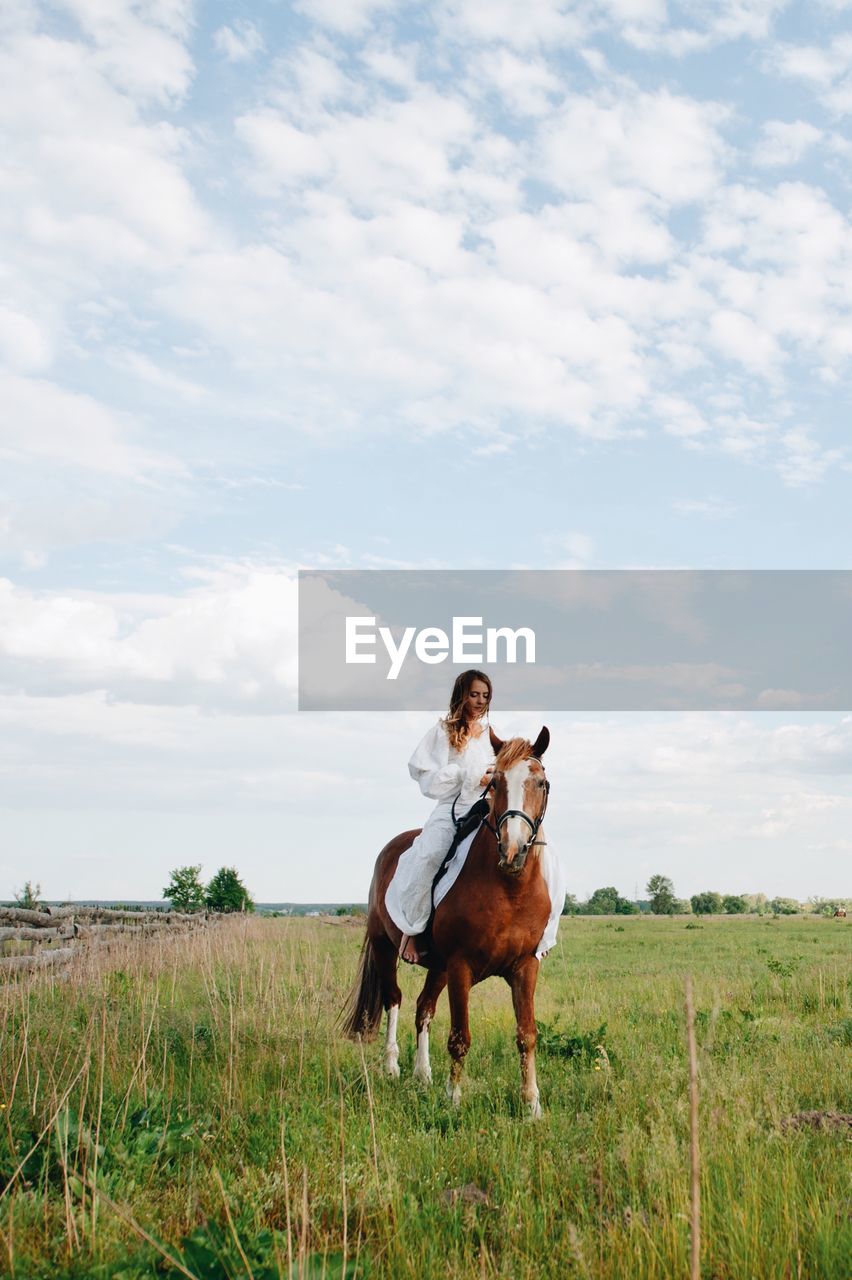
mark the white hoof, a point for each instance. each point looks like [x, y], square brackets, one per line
[454, 1093]
[392, 1067]
[423, 1075]
[533, 1108]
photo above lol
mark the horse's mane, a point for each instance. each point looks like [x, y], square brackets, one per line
[513, 751]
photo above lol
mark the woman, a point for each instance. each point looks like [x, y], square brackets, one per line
[454, 759]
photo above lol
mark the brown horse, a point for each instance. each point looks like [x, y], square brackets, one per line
[488, 925]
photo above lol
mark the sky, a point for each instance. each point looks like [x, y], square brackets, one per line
[352, 284]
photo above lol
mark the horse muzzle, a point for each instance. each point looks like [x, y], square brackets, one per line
[512, 863]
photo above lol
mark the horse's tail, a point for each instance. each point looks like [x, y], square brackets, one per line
[363, 1011]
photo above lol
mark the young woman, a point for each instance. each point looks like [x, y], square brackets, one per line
[454, 759]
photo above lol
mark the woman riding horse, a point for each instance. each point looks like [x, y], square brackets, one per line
[494, 921]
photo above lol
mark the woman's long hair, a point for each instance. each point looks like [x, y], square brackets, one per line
[455, 723]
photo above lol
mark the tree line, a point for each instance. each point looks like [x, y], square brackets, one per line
[663, 901]
[185, 891]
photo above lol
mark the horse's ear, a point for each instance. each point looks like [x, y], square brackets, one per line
[541, 743]
[496, 744]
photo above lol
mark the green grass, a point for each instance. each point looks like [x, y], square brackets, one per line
[192, 1097]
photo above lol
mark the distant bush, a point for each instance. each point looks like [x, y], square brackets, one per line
[828, 906]
[29, 897]
[734, 904]
[706, 904]
[785, 906]
[609, 902]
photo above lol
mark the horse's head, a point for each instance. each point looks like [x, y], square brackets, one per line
[517, 797]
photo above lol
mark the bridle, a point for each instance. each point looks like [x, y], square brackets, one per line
[533, 823]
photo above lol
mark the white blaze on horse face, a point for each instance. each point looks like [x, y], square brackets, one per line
[391, 1046]
[515, 832]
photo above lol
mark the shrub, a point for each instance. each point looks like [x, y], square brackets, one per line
[706, 904]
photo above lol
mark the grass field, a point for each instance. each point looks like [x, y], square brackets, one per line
[193, 1099]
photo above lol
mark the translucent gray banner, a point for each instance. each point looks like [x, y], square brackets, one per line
[577, 640]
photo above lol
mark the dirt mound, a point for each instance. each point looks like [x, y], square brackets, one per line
[817, 1120]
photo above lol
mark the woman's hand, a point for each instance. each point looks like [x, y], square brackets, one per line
[486, 777]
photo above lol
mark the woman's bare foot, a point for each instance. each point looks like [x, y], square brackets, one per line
[408, 951]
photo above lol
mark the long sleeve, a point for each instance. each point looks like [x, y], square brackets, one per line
[438, 777]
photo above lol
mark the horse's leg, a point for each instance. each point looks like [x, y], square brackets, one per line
[459, 981]
[522, 982]
[386, 963]
[436, 980]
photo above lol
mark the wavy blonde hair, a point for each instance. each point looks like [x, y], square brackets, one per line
[455, 723]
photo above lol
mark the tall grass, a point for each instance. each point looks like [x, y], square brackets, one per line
[186, 1106]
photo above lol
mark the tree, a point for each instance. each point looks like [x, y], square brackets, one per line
[603, 902]
[609, 902]
[185, 891]
[706, 904]
[785, 906]
[734, 904]
[226, 892]
[571, 905]
[661, 892]
[827, 906]
[29, 897]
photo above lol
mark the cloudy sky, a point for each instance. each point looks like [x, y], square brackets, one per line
[346, 283]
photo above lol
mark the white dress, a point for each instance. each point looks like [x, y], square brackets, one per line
[443, 773]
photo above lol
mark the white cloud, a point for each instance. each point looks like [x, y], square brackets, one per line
[826, 69]
[666, 145]
[239, 43]
[24, 346]
[784, 142]
[680, 417]
[139, 44]
[795, 248]
[282, 153]
[712, 508]
[230, 640]
[521, 24]
[526, 85]
[83, 176]
[805, 461]
[571, 550]
[711, 22]
[349, 17]
[43, 422]
[699, 788]
[738, 337]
